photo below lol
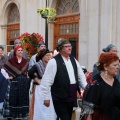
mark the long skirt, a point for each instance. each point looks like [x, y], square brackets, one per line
[41, 112]
[16, 103]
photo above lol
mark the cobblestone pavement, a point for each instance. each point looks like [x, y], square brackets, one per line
[1, 118]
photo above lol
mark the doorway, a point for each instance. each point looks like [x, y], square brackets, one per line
[68, 27]
[67, 23]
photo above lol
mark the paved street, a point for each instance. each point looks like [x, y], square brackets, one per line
[1, 118]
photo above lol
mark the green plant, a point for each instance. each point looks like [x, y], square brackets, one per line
[47, 13]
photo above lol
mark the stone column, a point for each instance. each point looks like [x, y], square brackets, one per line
[83, 33]
[93, 32]
[89, 33]
[118, 25]
[4, 36]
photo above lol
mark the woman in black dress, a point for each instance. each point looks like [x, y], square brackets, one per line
[101, 100]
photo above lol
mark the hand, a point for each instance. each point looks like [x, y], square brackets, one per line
[10, 78]
[37, 80]
[47, 103]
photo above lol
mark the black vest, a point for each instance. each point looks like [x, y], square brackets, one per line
[61, 85]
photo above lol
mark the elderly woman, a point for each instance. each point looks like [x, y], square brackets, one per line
[101, 100]
[16, 104]
[40, 112]
[109, 48]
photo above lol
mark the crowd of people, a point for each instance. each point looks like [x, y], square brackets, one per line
[57, 81]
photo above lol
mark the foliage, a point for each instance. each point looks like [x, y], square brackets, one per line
[47, 13]
[30, 42]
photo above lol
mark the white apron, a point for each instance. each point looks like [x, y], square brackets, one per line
[41, 112]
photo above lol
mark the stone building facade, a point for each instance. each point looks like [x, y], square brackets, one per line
[90, 25]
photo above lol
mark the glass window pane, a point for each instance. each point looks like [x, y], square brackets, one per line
[14, 15]
[60, 31]
[73, 26]
[76, 30]
[70, 26]
[67, 26]
[67, 7]
[77, 25]
[64, 27]
[73, 30]
[60, 26]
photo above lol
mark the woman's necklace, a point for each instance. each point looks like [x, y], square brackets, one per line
[19, 60]
[107, 80]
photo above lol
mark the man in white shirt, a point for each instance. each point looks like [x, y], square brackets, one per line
[63, 76]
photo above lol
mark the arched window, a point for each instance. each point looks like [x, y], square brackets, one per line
[14, 16]
[13, 26]
[67, 7]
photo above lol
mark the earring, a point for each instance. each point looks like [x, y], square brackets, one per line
[106, 74]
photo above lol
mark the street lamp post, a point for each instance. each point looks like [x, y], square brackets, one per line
[46, 29]
[48, 14]
[46, 32]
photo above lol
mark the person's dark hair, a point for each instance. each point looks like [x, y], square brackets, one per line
[41, 54]
[84, 70]
[106, 58]
[51, 52]
[1, 47]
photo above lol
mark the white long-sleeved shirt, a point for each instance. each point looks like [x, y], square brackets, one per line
[50, 72]
[32, 61]
[4, 73]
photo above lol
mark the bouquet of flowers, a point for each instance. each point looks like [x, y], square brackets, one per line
[30, 42]
[48, 13]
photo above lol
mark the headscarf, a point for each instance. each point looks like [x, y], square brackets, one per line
[108, 48]
[15, 49]
[60, 43]
[41, 43]
[41, 54]
[17, 41]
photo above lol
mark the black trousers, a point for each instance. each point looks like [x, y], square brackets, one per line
[63, 109]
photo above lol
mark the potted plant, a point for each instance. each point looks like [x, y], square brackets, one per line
[47, 13]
